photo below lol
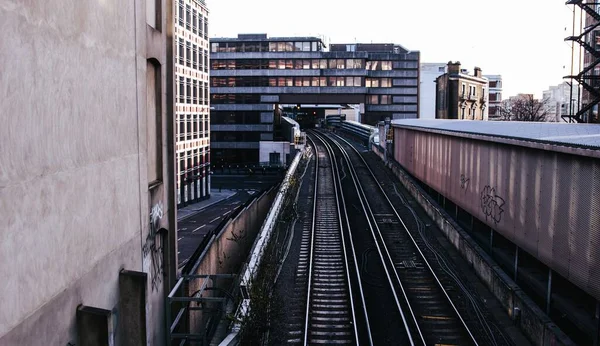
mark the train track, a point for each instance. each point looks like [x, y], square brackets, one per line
[330, 317]
[429, 315]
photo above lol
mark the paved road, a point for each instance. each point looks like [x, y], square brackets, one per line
[193, 228]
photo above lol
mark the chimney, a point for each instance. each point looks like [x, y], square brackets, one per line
[453, 67]
[478, 72]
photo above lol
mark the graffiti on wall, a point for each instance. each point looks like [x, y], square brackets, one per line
[464, 182]
[153, 247]
[491, 204]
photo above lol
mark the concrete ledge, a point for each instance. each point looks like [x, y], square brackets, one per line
[532, 321]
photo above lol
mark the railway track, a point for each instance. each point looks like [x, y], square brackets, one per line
[429, 315]
[330, 317]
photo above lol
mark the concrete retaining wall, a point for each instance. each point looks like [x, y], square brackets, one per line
[532, 321]
[227, 251]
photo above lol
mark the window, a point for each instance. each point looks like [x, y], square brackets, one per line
[188, 55]
[188, 16]
[194, 58]
[194, 21]
[350, 48]
[386, 99]
[274, 158]
[181, 14]
[373, 99]
[180, 52]
[464, 89]
[153, 121]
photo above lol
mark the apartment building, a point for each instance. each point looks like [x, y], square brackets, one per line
[255, 77]
[460, 95]
[192, 102]
[428, 73]
[86, 172]
[560, 101]
[494, 96]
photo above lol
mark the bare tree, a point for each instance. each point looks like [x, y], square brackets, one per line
[524, 107]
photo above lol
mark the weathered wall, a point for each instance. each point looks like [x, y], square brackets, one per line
[74, 196]
[543, 201]
[230, 248]
[532, 321]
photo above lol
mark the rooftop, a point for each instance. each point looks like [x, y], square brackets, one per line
[547, 135]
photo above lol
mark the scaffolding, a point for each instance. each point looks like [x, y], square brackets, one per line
[585, 108]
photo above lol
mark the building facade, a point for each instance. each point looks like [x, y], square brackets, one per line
[560, 101]
[428, 73]
[192, 101]
[494, 96]
[460, 95]
[588, 73]
[254, 78]
[86, 172]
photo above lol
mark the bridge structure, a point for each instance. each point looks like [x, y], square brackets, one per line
[527, 193]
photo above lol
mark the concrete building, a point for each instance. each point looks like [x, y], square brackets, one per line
[88, 240]
[192, 102]
[460, 95]
[255, 79]
[494, 96]
[428, 73]
[560, 101]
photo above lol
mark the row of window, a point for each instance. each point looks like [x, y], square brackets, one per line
[192, 91]
[472, 90]
[191, 19]
[191, 55]
[369, 82]
[192, 165]
[300, 64]
[235, 118]
[379, 99]
[234, 98]
[240, 47]
[235, 136]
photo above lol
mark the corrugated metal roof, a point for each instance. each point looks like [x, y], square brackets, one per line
[577, 135]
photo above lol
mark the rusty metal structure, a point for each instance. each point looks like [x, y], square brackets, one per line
[588, 75]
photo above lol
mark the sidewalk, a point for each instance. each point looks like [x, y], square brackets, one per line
[215, 197]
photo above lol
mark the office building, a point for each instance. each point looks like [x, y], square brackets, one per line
[494, 96]
[256, 79]
[460, 95]
[192, 102]
[88, 251]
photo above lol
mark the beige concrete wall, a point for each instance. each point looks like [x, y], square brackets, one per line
[74, 196]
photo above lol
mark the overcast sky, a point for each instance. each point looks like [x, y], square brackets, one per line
[522, 40]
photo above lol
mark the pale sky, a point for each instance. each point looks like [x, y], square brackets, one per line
[522, 40]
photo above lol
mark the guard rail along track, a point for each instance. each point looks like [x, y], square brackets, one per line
[431, 316]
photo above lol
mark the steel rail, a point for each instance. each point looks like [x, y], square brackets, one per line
[405, 228]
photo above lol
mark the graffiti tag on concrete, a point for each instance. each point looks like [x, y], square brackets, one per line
[491, 204]
[153, 246]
